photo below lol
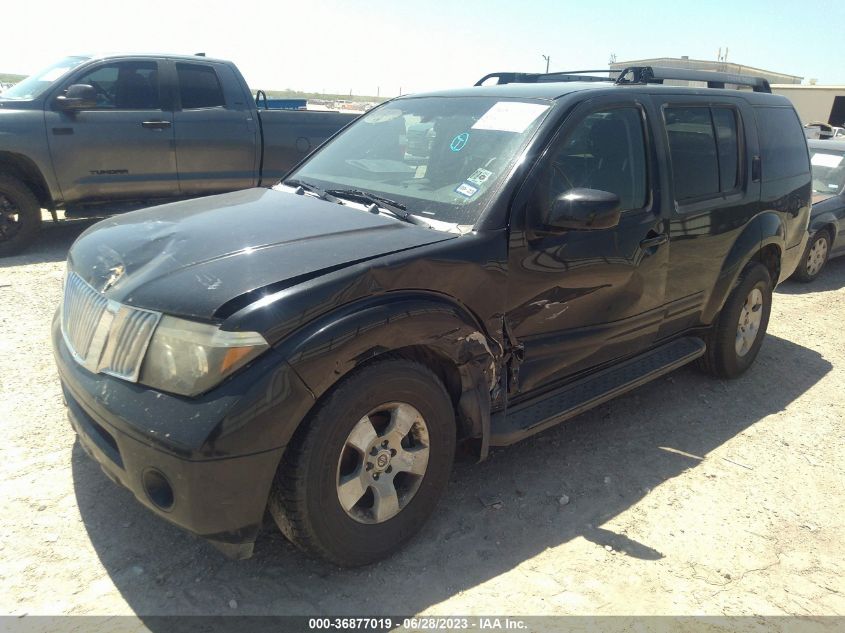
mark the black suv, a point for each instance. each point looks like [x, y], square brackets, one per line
[319, 348]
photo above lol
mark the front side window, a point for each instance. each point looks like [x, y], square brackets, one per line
[124, 86]
[199, 87]
[441, 157]
[605, 151]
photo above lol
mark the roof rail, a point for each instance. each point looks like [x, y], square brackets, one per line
[534, 78]
[656, 75]
[634, 75]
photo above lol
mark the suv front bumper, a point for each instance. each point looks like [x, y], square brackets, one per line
[195, 481]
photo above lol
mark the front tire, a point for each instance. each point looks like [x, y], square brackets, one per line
[369, 465]
[20, 215]
[736, 337]
[815, 257]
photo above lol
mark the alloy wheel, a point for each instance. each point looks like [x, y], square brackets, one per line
[382, 463]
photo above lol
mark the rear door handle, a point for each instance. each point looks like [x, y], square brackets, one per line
[156, 125]
[657, 240]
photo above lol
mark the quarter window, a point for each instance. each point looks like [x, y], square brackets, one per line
[783, 147]
[199, 87]
[606, 151]
[125, 86]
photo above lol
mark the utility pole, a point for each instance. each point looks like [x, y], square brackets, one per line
[547, 58]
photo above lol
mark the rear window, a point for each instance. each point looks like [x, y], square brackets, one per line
[199, 87]
[783, 147]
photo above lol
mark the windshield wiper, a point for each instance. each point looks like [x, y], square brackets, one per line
[396, 209]
[302, 187]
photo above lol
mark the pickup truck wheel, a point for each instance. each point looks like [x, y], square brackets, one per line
[815, 257]
[735, 340]
[368, 466]
[20, 215]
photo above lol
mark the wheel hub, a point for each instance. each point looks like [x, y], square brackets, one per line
[381, 461]
[750, 318]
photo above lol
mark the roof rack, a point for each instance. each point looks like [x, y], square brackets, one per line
[638, 75]
[533, 78]
[656, 75]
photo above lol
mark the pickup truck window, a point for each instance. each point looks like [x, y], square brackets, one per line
[199, 87]
[124, 86]
[35, 85]
[606, 151]
[441, 157]
[705, 150]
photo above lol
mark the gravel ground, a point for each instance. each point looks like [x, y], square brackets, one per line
[687, 496]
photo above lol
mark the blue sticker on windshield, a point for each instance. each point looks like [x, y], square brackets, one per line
[459, 142]
[467, 190]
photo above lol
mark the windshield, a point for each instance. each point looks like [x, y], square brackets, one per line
[828, 170]
[440, 157]
[34, 85]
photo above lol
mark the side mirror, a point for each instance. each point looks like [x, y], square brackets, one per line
[585, 209]
[77, 97]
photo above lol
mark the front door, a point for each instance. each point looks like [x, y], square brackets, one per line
[122, 148]
[580, 298]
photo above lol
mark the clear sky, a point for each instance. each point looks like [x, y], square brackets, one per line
[369, 45]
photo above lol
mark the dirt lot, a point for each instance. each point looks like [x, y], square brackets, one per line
[688, 496]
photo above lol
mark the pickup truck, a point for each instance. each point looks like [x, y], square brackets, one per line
[96, 135]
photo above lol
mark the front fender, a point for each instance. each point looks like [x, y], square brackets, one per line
[326, 350]
[763, 230]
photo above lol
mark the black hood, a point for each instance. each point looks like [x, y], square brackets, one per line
[190, 258]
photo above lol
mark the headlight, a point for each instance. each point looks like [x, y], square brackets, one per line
[187, 357]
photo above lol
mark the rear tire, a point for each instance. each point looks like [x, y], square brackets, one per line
[367, 468]
[815, 257]
[736, 337]
[20, 215]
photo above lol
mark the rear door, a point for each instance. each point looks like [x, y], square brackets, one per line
[217, 141]
[122, 148]
[577, 299]
[711, 195]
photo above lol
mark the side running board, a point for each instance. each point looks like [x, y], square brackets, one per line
[523, 420]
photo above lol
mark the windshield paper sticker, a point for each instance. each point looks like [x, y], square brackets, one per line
[466, 190]
[826, 160]
[510, 116]
[459, 142]
[479, 176]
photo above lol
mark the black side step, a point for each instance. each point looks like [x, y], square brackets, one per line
[532, 417]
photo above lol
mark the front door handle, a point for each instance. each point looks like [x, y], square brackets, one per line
[156, 125]
[657, 240]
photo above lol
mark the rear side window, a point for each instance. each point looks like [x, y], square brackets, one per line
[783, 148]
[199, 87]
[704, 144]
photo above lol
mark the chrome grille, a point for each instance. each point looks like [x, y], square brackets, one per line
[102, 335]
[82, 311]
